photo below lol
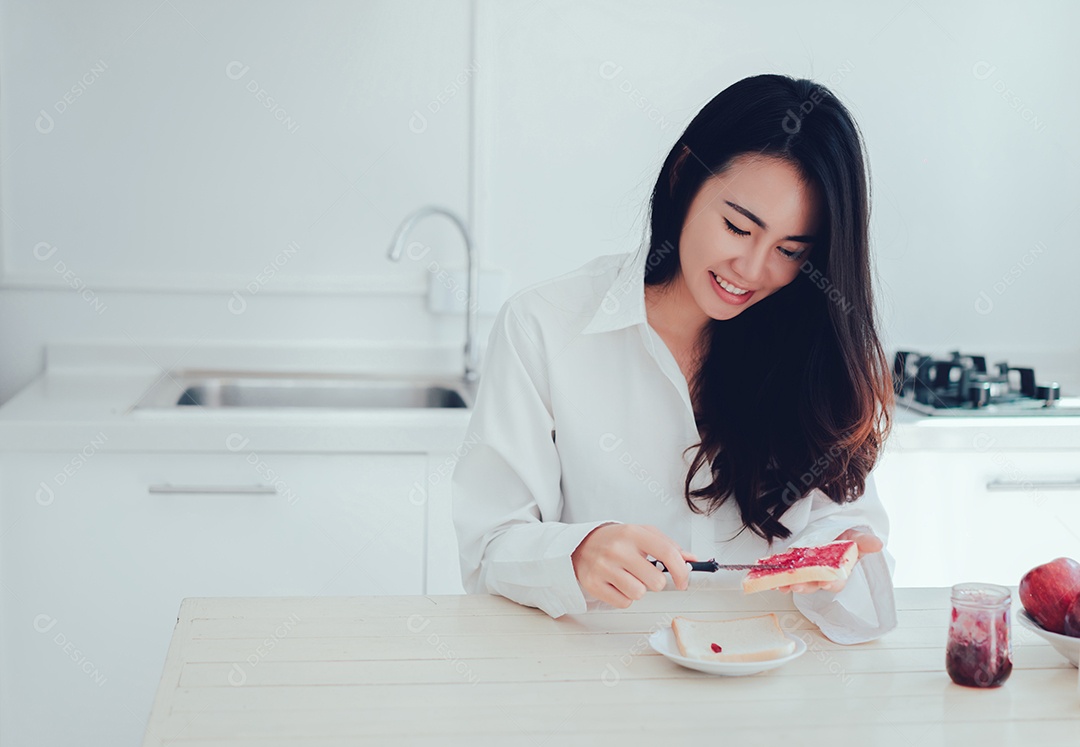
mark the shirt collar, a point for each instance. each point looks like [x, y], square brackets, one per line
[623, 303]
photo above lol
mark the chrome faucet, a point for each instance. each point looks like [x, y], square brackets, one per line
[472, 271]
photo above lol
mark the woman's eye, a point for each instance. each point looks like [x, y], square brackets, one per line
[734, 230]
[788, 254]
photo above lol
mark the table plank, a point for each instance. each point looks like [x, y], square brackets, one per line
[692, 688]
[914, 711]
[310, 626]
[1060, 731]
[538, 668]
[694, 600]
[459, 636]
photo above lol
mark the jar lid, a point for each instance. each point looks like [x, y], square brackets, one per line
[981, 595]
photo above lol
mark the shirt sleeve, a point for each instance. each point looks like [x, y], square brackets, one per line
[507, 500]
[865, 609]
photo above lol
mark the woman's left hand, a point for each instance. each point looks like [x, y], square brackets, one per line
[867, 542]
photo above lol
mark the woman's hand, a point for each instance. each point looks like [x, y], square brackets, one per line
[610, 563]
[867, 542]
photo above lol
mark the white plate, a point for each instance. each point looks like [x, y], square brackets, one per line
[1067, 646]
[663, 642]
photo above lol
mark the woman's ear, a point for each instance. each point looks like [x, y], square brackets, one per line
[675, 168]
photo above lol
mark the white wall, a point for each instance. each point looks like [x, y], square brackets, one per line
[166, 186]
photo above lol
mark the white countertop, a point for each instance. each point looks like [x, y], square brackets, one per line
[479, 670]
[913, 431]
[89, 389]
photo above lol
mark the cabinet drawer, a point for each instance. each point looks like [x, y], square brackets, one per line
[986, 515]
[1037, 474]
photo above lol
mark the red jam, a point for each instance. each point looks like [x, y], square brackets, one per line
[716, 648]
[829, 556]
[979, 652]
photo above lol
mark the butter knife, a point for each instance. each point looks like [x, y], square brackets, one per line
[711, 566]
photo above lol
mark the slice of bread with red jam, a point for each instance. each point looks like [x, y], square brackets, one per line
[800, 565]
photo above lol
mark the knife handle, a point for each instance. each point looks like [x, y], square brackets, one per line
[708, 566]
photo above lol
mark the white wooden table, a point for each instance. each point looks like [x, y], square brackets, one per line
[482, 670]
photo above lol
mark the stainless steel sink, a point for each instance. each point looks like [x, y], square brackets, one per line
[274, 391]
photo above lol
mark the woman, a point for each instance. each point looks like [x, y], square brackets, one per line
[720, 393]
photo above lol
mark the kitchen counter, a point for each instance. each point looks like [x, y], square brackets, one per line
[481, 670]
[87, 393]
[914, 431]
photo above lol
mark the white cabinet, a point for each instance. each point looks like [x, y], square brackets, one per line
[96, 555]
[443, 564]
[985, 514]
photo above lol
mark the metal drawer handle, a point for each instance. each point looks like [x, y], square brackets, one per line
[203, 489]
[1034, 484]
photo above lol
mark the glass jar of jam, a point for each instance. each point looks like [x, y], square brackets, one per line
[979, 652]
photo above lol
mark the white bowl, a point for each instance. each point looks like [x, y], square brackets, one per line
[1066, 645]
[663, 642]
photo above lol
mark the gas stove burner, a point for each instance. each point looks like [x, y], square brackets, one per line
[962, 385]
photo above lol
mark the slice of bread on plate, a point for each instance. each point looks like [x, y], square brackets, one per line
[744, 639]
[799, 565]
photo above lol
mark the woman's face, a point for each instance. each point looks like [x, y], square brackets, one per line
[747, 234]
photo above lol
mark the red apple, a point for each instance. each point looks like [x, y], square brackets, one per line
[1047, 591]
[1072, 618]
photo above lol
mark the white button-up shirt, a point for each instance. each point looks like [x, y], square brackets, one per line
[581, 419]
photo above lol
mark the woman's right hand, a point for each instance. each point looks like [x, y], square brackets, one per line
[610, 563]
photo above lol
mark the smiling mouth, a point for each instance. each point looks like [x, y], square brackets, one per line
[732, 289]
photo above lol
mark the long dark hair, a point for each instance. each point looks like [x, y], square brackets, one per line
[795, 392]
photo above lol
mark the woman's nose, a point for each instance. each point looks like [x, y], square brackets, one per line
[751, 266]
